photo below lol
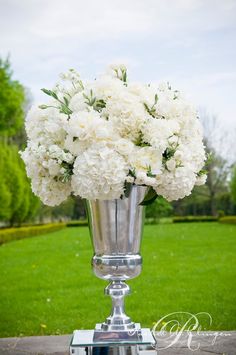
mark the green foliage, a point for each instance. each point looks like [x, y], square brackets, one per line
[12, 99]
[228, 219]
[10, 234]
[233, 185]
[63, 104]
[149, 198]
[190, 219]
[220, 213]
[5, 196]
[159, 208]
[121, 73]
[92, 101]
[151, 109]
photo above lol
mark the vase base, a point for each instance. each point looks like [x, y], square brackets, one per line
[101, 335]
[83, 343]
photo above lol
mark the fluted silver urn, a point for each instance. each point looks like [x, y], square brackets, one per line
[116, 228]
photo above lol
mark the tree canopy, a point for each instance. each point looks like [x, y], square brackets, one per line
[17, 202]
[12, 100]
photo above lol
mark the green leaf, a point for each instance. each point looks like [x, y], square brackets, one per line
[150, 196]
[46, 91]
[128, 187]
[132, 172]
[202, 172]
[66, 101]
[50, 93]
[125, 76]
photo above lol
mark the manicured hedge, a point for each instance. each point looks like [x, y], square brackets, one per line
[10, 234]
[81, 223]
[228, 219]
[189, 219]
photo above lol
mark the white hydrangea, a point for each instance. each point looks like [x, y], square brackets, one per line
[94, 137]
[51, 192]
[45, 172]
[99, 173]
[175, 184]
[46, 126]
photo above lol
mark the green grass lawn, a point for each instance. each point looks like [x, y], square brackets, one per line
[47, 285]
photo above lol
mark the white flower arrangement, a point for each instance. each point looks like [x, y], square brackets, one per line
[96, 139]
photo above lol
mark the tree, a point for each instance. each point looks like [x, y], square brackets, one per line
[5, 195]
[217, 142]
[159, 208]
[12, 100]
[18, 202]
[233, 184]
[212, 196]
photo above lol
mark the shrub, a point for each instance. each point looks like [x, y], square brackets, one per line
[10, 234]
[189, 219]
[80, 223]
[221, 213]
[159, 208]
[228, 219]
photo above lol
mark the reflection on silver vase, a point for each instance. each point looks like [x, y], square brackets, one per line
[116, 230]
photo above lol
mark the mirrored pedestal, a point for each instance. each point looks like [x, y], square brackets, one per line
[112, 343]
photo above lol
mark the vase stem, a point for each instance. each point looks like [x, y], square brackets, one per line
[118, 320]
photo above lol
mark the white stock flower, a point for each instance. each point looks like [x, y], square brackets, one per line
[77, 103]
[106, 87]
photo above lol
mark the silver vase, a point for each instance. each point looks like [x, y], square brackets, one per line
[116, 231]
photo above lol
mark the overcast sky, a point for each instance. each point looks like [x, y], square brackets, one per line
[191, 43]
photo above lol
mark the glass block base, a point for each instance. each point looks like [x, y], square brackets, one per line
[83, 343]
